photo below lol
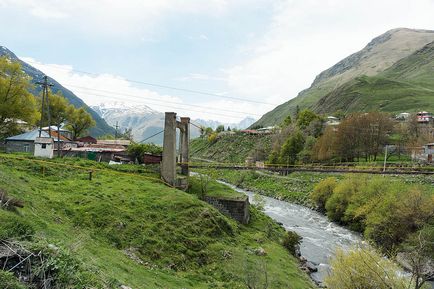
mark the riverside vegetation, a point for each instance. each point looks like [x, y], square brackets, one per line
[394, 213]
[124, 227]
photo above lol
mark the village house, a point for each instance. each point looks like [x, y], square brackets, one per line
[25, 142]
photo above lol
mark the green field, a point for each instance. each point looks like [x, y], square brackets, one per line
[124, 227]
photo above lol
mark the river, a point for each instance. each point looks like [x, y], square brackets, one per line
[320, 236]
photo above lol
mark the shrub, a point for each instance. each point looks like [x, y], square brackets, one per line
[13, 227]
[364, 268]
[322, 192]
[291, 241]
[137, 150]
[397, 216]
[337, 204]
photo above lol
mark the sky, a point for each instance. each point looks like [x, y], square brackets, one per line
[246, 56]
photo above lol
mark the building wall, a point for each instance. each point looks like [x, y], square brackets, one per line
[20, 147]
[46, 152]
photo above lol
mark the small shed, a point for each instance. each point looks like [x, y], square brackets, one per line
[44, 147]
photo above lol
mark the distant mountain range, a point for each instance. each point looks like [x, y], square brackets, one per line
[101, 127]
[393, 73]
[144, 121]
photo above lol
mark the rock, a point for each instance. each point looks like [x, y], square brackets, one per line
[260, 252]
[311, 266]
[125, 287]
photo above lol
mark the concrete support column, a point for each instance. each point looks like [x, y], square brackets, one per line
[185, 121]
[168, 166]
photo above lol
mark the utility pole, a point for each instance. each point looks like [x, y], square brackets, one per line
[385, 159]
[45, 105]
[116, 130]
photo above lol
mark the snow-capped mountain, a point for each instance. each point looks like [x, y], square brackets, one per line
[245, 123]
[144, 121]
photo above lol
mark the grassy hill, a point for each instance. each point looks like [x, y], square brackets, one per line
[392, 68]
[125, 227]
[230, 148]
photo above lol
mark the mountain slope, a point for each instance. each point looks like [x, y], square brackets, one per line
[143, 120]
[101, 126]
[406, 86]
[379, 55]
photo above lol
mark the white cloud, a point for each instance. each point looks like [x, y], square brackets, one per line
[119, 18]
[111, 89]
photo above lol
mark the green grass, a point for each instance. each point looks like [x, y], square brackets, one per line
[180, 241]
[207, 186]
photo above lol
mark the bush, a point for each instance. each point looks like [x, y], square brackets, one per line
[15, 227]
[397, 216]
[322, 192]
[9, 281]
[364, 268]
[138, 150]
[291, 241]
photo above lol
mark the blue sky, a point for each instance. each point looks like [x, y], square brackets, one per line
[260, 50]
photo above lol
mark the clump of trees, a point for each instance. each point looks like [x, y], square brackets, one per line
[296, 140]
[395, 217]
[360, 135]
[386, 212]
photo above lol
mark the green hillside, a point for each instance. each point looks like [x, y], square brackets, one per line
[230, 148]
[393, 73]
[407, 86]
[125, 227]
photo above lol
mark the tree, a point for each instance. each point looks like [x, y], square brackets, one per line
[325, 147]
[287, 121]
[220, 128]
[418, 254]
[16, 102]
[80, 121]
[305, 117]
[364, 268]
[293, 145]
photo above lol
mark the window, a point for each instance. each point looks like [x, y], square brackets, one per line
[26, 148]
[44, 145]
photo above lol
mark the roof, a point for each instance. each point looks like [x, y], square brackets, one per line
[44, 140]
[87, 139]
[33, 134]
[123, 142]
[28, 136]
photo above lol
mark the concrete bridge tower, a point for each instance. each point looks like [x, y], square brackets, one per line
[168, 166]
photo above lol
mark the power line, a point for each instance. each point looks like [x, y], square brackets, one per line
[141, 97]
[165, 86]
[151, 136]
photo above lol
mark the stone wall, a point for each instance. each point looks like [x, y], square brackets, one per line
[236, 209]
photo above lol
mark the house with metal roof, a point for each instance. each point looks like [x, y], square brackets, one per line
[25, 142]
